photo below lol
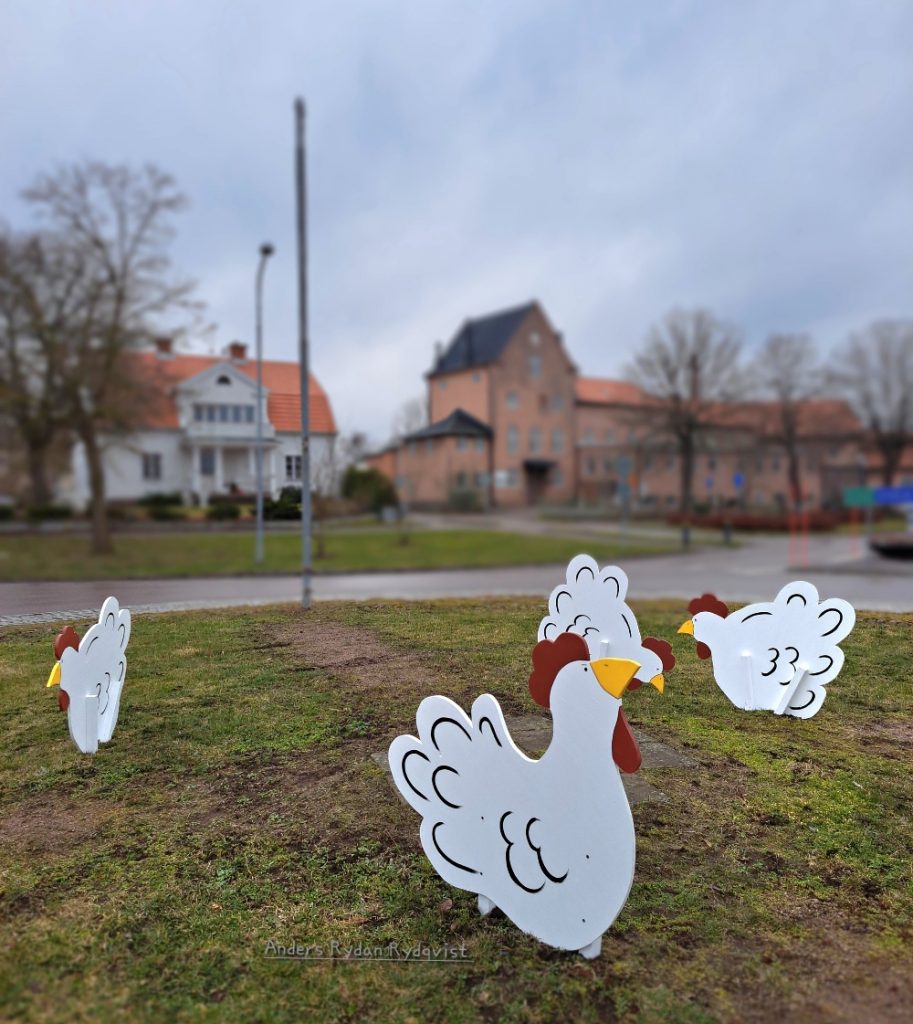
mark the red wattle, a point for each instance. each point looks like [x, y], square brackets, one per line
[625, 750]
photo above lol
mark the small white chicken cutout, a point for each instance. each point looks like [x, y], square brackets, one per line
[550, 841]
[777, 656]
[91, 673]
[591, 603]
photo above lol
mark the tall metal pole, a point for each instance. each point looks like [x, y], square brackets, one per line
[301, 200]
[266, 250]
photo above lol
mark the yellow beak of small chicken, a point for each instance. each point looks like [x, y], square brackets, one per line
[687, 627]
[614, 675]
[54, 677]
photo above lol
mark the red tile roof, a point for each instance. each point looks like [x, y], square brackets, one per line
[282, 381]
[604, 391]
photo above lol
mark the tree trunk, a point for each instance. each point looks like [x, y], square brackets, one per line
[101, 528]
[891, 455]
[686, 450]
[39, 489]
[795, 477]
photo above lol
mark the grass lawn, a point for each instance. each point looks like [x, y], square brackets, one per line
[238, 803]
[62, 557]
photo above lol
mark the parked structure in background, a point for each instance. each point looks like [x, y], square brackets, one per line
[512, 423]
[199, 431]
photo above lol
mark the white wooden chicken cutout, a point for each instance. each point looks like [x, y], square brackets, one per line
[550, 841]
[91, 673]
[591, 603]
[777, 656]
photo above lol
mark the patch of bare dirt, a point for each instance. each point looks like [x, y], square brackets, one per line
[836, 976]
[359, 657]
[52, 823]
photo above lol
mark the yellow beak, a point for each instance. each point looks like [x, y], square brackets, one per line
[54, 677]
[614, 674]
[659, 682]
[687, 627]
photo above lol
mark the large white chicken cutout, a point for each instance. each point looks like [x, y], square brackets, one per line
[91, 673]
[591, 603]
[777, 656]
[550, 841]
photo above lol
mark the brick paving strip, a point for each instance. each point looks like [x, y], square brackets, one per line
[532, 733]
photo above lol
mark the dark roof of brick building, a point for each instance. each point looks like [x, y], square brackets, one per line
[480, 341]
[458, 424]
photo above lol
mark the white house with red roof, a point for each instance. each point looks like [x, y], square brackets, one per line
[199, 431]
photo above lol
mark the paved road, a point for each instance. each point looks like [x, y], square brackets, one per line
[753, 572]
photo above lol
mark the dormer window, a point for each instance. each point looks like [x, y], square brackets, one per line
[224, 379]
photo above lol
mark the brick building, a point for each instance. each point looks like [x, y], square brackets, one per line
[511, 423]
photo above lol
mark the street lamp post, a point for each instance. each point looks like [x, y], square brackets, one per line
[303, 348]
[266, 250]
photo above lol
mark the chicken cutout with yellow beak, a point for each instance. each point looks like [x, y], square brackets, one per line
[550, 841]
[90, 673]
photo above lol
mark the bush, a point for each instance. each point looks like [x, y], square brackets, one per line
[161, 499]
[290, 495]
[6, 513]
[166, 514]
[281, 509]
[223, 510]
[464, 500]
[39, 513]
[119, 514]
[368, 488]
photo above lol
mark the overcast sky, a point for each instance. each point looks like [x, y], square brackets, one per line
[611, 159]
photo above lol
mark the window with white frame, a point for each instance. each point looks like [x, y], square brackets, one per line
[152, 466]
[557, 441]
[480, 444]
[535, 439]
[293, 467]
[513, 439]
[512, 400]
[557, 401]
[535, 364]
[461, 444]
[207, 461]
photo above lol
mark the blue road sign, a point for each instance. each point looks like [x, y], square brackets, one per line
[738, 479]
[709, 483]
[894, 495]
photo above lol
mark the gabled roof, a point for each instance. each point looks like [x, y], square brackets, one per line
[281, 381]
[458, 424]
[480, 341]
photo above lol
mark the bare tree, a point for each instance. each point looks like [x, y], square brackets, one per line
[787, 371]
[876, 375]
[114, 223]
[411, 416]
[689, 363]
[40, 290]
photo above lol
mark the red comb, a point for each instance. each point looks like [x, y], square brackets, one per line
[709, 603]
[549, 658]
[68, 638]
[663, 648]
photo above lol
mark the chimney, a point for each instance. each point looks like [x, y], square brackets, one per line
[163, 347]
[237, 351]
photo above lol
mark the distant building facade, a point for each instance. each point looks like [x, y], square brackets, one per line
[512, 423]
[198, 435]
